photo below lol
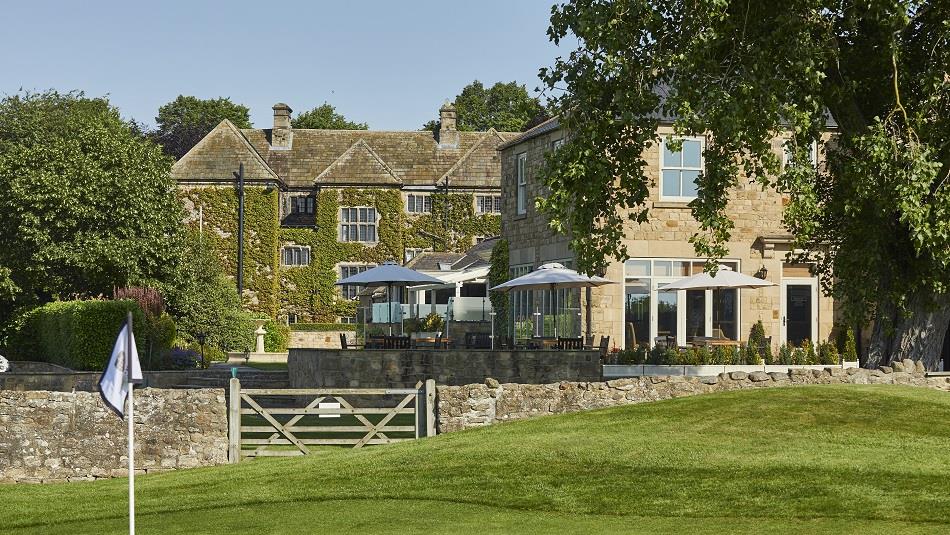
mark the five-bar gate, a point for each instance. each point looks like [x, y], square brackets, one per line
[287, 422]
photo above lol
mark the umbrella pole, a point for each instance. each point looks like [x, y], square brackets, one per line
[554, 291]
[389, 306]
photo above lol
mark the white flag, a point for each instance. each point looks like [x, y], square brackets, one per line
[114, 383]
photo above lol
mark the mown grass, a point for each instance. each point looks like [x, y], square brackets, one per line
[822, 459]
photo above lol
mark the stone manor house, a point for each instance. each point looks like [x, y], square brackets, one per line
[321, 205]
[636, 311]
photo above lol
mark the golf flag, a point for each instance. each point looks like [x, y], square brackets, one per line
[115, 380]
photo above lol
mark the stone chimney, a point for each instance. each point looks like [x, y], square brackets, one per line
[282, 135]
[448, 134]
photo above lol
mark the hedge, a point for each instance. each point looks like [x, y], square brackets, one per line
[76, 334]
[322, 327]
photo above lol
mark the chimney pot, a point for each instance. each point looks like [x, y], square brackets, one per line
[282, 134]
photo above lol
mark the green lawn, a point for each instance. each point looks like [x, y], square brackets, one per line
[822, 459]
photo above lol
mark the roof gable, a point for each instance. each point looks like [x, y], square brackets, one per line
[219, 154]
[360, 160]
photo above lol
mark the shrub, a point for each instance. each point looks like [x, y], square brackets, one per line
[786, 355]
[808, 350]
[275, 341]
[77, 334]
[827, 353]
[846, 344]
[758, 349]
[433, 323]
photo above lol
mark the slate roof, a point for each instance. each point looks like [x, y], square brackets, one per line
[479, 255]
[346, 157]
[429, 260]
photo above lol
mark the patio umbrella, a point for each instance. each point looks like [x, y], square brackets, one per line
[390, 274]
[552, 276]
[724, 278]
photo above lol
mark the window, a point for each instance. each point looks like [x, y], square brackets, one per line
[522, 203]
[680, 169]
[650, 312]
[542, 312]
[419, 204]
[488, 204]
[295, 255]
[348, 291]
[556, 144]
[412, 252]
[299, 204]
[788, 155]
[358, 224]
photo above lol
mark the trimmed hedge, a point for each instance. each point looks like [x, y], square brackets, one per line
[76, 334]
[322, 327]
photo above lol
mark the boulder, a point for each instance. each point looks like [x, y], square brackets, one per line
[738, 376]
[919, 367]
[887, 369]
[758, 377]
[898, 366]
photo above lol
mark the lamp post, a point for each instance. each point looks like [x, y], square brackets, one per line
[240, 237]
[202, 337]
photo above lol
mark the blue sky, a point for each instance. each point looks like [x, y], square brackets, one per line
[388, 63]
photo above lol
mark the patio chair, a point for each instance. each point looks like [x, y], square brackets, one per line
[396, 342]
[344, 344]
[604, 345]
[477, 341]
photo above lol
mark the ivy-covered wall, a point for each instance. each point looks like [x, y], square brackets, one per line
[310, 291]
[261, 237]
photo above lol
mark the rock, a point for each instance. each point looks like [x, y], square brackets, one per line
[886, 369]
[909, 365]
[758, 377]
[738, 376]
[778, 376]
[709, 380]
[898, 366]
[837, 372]
[919, 367]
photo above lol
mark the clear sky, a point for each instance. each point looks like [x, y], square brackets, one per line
[388, 63]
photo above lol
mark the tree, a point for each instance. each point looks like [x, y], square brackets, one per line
[86, 204]
[874, 220]
[325, 117]
[184, 121]
[504, 107]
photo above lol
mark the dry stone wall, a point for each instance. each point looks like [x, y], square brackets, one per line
[475, 405]
[58, 436]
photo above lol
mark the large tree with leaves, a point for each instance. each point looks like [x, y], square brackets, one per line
[86, 202]
[184, 121]
[875, 219]
[325, 117]
[506, 107]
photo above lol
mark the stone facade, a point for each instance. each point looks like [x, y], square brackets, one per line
[396, 368]
[759, 241]
[58, 436]
[476, 405]
[288, 174]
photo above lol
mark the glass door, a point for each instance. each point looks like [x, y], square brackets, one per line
[799, 311]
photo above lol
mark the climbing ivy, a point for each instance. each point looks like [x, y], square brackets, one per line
[454, 230]
[497, 274]
[261, 247]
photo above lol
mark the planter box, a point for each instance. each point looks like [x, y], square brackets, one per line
[703, 370]
[613, 371]
[662, 369]
[748, 368]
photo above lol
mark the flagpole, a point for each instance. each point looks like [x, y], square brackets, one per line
[128, 368]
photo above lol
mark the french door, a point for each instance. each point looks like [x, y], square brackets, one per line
[799, 310]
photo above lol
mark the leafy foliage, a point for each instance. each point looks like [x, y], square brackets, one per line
[277, 336]
[184, 121]
[506, 107]
[78, 334]
[86, 204]
[497, 274]
[325, 117]
[874, 220]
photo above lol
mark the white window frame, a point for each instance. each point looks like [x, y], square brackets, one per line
[493, 202]
[657, 281]
[304, 251]
[293, 199]
[411, 203]
[786, 154]
[556, 144]
[344, 289]
[343, 237]
[521, 181]
[663, 166]
[811, 282]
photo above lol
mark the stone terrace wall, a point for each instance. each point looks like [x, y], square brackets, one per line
[474, 405]
[379, 368]
[57, 436]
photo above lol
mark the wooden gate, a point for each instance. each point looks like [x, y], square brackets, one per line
[296, 422]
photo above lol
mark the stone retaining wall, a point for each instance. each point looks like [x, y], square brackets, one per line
[398, 368]
[474, 405]
[58, 436]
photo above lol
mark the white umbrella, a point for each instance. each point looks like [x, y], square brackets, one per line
[724, 278]
[552, 276]
[389, 273]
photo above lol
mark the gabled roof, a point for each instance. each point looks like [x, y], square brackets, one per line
[349, 157]
[219, 154]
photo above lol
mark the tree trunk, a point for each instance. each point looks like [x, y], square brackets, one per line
[916, 335]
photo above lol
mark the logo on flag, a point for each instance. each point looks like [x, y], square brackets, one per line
[114, 383]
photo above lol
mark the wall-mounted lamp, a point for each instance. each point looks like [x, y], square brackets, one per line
[762, 273]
